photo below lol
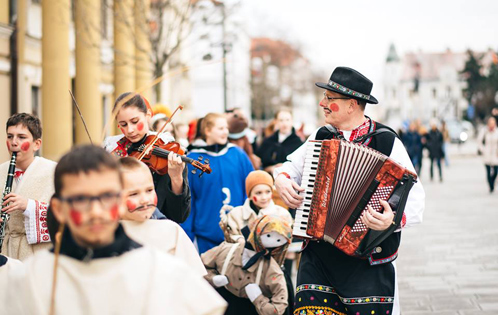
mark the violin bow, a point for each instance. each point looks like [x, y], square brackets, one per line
[149, 147]
[81, 116]
[167, 75]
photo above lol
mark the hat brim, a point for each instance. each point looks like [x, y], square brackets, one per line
[325, 86]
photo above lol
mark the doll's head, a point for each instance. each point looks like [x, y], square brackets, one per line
[259, 186]
[270, 234]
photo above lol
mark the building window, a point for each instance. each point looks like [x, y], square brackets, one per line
[448, 91]
[434, 93]
[12, 11]
[103, 19]
[35, 100]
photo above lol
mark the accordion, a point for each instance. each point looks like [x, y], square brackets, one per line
[340, 179]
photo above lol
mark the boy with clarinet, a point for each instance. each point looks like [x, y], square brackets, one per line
[32, 187]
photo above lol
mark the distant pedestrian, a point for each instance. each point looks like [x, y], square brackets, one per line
[413, 144]
[435, 147]
[446, 140]
[274, 149]
[488, 146]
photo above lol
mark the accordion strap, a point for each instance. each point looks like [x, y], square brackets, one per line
[397, 201]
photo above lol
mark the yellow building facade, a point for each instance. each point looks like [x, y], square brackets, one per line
[50, 47]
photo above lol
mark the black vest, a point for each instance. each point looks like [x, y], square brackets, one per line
[387, 251]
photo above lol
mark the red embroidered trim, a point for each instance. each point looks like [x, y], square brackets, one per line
[361, 130]
[403, 220]
[122, 147]
[286, 175]
[37, 222]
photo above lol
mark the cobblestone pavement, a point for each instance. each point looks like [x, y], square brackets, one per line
[449, 264]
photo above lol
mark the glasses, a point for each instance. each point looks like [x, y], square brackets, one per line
[83, 203]
[330, 99]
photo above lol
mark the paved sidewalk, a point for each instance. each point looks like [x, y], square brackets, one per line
[449, 264]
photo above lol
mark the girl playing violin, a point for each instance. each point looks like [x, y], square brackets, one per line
[173, 192]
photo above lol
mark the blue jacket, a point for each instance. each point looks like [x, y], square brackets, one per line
[230, 167]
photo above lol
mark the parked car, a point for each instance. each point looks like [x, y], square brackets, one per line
[459, 130]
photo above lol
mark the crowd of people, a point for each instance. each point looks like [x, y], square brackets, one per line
[102, 232]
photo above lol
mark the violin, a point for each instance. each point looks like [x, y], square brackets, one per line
[157, 158]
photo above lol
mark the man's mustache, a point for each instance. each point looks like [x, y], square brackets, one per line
[142, 208]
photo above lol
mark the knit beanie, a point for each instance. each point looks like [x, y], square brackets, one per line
[258, 177]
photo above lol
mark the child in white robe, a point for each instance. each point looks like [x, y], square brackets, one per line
[100, 269]
[26, 230]
[141, 201]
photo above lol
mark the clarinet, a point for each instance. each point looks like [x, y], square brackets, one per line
[8, 188]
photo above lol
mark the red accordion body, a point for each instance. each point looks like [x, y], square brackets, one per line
[340, 179]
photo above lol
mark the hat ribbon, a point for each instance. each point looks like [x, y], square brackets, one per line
[348, 91]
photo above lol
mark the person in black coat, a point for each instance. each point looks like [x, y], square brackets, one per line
[435, 146]
[274, 149]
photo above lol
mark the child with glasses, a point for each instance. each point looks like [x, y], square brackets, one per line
[100, 269]
[141, 201]
[32, 188]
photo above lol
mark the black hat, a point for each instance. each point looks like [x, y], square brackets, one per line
[350, 82]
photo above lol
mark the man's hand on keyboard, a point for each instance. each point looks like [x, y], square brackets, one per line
[287, 189]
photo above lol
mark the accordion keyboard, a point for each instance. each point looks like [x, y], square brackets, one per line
[307, 182]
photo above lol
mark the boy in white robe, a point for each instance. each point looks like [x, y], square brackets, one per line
[141, 201]
[100, 269]
[26, 230]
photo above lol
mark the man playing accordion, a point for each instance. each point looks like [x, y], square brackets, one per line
[330, 281]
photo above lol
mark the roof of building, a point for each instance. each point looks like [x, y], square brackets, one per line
[280, 52]
[429, 66]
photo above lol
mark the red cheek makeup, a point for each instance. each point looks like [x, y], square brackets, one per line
[25, 146]
[334, 107]
[130, 205]
[254, 199]
[75, 217]
[114, 211]
[140, 126]
[155, 200]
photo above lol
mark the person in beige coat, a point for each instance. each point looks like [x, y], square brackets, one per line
[259, 186]
[488, 147]
[247, 273]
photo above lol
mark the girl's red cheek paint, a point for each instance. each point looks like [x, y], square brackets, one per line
[140, 126]
[254, 199]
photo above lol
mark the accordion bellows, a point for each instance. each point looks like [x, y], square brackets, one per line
[341, 179]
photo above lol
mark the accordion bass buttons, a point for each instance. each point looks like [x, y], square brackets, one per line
[378, 250]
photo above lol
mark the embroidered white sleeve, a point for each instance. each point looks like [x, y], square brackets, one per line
[415, 205]
[295, 162]
[35, 222]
